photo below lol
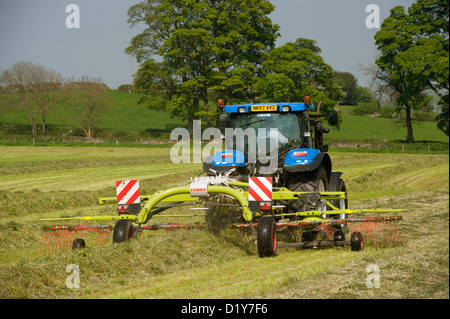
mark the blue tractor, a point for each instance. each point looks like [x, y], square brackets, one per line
[302, 163]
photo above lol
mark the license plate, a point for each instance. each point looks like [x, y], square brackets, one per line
[264, 108]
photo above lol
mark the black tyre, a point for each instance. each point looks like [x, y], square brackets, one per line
[356, 241]
[315, 181]
[307, 236]
[123, 231]
[266, 237]
[338, 185]
[78, 243]
[339, 235]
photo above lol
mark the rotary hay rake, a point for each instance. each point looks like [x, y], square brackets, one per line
[64, 238]
[325, 225]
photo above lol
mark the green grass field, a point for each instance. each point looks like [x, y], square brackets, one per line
[128, 120]
[382, 129]
[48, 182]
[124, 115]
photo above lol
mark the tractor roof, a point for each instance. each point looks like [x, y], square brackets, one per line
[267, 107]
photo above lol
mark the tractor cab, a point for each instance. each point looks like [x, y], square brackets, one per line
[279, 132]
[266, 127]
[286, 124]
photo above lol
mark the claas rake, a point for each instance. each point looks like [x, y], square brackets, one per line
[253, 205]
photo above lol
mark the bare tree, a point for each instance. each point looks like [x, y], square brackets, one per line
[47, 93]
[38, 89]
[90, 98]
[381, 85]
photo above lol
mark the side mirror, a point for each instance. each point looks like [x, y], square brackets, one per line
[333, 118]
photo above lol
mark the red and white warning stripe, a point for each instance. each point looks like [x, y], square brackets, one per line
[128, 192]
[260, 189]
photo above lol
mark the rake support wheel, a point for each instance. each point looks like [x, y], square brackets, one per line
[266, 236]
[356, 241]
[123, 231]
[339, 235]
[78, 243]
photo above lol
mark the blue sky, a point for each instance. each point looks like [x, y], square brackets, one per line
[35, 30]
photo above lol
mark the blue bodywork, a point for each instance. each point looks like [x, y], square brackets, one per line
[295, 107]
[310, 156]
[236, 159]
[231, 158]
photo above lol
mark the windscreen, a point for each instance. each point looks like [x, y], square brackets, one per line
[282, 128]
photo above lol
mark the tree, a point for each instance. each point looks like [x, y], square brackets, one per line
[349, 85]
[365, 95]
[275, 87]
[293, 71]
[207, 48]
[38, 88]
[443, 117]
[90, 98]
[431, 52]
[47, 93]
[414, 55]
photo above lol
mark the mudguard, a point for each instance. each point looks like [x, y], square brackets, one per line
[333, 182]
[308, 162]
[224, 161]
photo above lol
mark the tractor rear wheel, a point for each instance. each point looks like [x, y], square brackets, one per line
[266, 237]
[315, 181]
[123, 231]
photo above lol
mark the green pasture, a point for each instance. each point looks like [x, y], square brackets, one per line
[50, 182]
[123, 115]
[363, 128]
[126, 118]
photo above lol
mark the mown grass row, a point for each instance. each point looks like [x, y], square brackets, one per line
[199, 264]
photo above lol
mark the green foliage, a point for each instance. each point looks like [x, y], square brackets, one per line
[275, 87]
[443, 117]
[126, 88]
[388, 111]
[414, 47]
[365, 108]
[349, 85]
[364, 95]
[293, 71]
[209, 49]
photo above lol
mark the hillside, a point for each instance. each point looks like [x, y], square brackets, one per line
[366, 128]
[126, 120]
[125, 115]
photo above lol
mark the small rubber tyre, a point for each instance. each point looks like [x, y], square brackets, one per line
[339, 235]
[307, 236]
[123, 231]
[78, 243]
[356, 241]
[266, 237]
